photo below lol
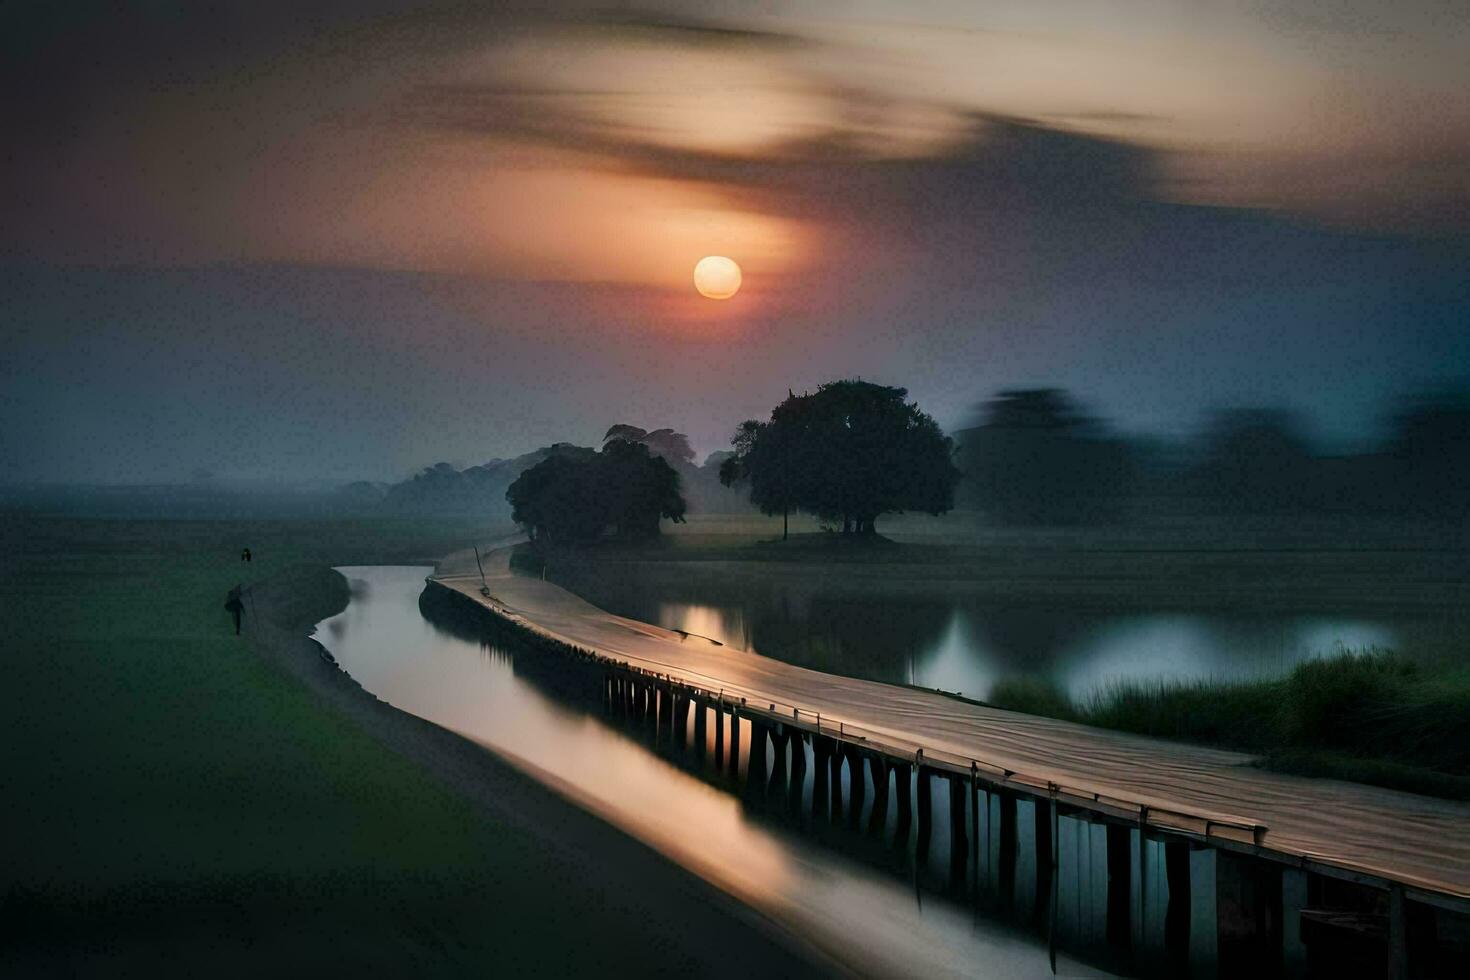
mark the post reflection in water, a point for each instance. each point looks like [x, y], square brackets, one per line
[827, 854]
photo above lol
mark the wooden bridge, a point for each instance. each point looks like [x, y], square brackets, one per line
[1281, 832]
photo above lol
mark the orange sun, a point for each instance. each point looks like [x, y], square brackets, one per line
[717, 277]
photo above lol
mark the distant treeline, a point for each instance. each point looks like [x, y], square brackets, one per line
[1035, 456]
[480, 490]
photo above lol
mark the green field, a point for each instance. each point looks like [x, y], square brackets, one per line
[173, 803]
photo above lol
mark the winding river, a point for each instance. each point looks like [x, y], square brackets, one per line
[870, 915]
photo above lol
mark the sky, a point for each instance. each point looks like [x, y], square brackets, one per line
[346, 240]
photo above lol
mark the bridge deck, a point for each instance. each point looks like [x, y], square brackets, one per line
[1418, 841]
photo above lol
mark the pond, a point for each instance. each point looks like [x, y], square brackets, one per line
[945, 638]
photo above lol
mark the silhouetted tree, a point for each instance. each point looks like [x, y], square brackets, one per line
[672, 446]
[1257, 460]
[850, 453]
[577, 497]
[1430, 450]
[1036, 457]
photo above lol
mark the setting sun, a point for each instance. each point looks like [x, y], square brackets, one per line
[717, 277]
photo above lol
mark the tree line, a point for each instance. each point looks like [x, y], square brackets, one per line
[853, 451]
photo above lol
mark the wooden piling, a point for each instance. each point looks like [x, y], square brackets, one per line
[858, 782]
[834, 764]
[1177, 914]
[1398, 935]
[1006, 863]
[878, 821]
[1041, 836]
[682, 708]
[719, 735]
[958, 834]
[700, 732]
[1120, 897]
[903, 787]
[798, 773]
[776, 788]
[755, 773]
[975, 842]
[923, 795]
[821, 774]
[734, 760]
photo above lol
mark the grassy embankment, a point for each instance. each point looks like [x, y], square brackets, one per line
[177, 805]
[1372, 717]
[168, 794]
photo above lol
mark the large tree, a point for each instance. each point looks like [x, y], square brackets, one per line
[577, 498]
[1038, 458]
[848, 453]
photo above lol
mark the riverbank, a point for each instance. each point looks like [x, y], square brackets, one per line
[184, 801]
[1374, 569]
[1372, 717]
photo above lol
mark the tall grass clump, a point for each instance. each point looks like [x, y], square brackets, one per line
[1373, 717]
[1217, 712]
[1033, 696]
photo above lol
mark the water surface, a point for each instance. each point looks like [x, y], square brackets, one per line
[944, 638]
[486, 692]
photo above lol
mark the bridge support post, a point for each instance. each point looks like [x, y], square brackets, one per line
[903, 787]
[755, 773]
[821, 774]
[798, 773]
[681, 717]
[1041, 823]
[776, 788]
[857, 777]
[733, 760]
[878, 821]
[924, 798]
[700, 732]
[975, 842]
[1177, 914]
[959, 845]
[719, 735]
[1120, 876]
[834, 763]
[1006, 865]
[1398, 935]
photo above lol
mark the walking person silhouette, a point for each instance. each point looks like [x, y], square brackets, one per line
[235, 606]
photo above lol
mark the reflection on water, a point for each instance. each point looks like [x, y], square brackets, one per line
[507, 700]
[960, 643]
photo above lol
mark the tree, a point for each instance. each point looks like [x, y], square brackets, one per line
[672, 446]
[575, 498]
[1256, 460]
[1037, 457]
[1431, 453]
[851, 452]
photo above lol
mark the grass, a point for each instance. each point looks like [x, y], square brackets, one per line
[1372, 717]
[174, 804]
[148, 754]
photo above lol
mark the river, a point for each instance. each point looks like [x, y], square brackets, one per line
[867, 912]
[947, 639]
